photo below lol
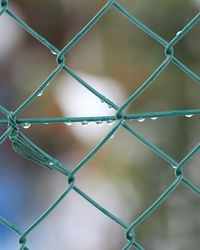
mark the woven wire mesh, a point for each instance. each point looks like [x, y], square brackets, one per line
[27, 149]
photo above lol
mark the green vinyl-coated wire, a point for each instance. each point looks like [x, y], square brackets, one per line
[28, 150]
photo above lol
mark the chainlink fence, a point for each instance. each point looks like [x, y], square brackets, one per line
[27, 149]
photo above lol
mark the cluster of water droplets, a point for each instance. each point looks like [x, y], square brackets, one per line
[153, 118]
[109, 106]
[84, 123]
[99, 122]
[142, 119]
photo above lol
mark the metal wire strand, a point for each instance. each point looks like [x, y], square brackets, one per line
[28, 150]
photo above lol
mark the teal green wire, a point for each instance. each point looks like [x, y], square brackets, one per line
[14, 229]
[128, 117]
[193, 188]
[145, 85]
[159, 39]
[157, 203]
[185, 69]
[96, 149]
[188, 158]
[23, 146]
[3, 6]
[88, 27]
[39, 90]
[184, 31]
[10, 225]
[48, 211]
[5, 135]
[100, 208]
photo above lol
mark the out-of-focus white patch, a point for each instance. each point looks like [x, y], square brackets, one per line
[75, 100]
[77, 225]
[10, 34]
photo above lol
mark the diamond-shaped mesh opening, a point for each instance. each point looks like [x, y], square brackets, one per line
[167, 227]
[73, 214]
[140, 53]
[185, 225]
[172, 90]
[120, 176]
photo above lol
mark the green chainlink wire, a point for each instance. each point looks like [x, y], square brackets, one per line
[24, 147]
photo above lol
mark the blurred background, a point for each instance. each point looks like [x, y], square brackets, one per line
[125, 176]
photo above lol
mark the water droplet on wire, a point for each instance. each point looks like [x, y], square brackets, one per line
[84, 123]
[112, 136]
[53, 52]
[51, 163]
[102, 101]
[26, 125]
[154, 118]
[110, 122]
[99, 123]
[178, 33]
[39, 94]
[141, 119]
[68, 123]
[110, 107]
[188, 116]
